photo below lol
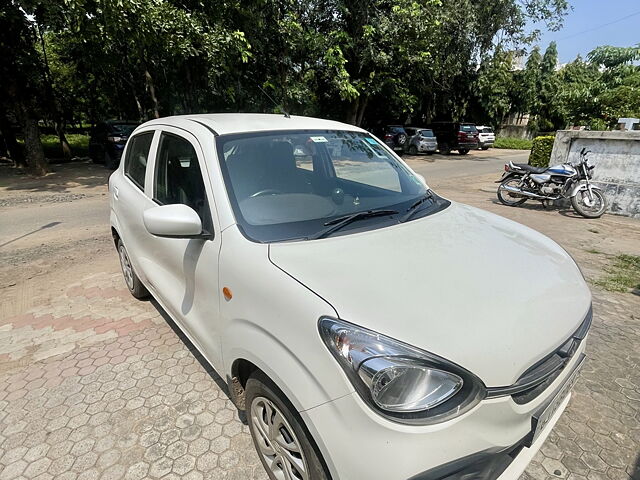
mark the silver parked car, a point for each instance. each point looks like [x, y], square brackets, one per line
[421, 140]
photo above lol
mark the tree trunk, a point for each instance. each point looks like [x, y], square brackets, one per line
[351, 115]
[152, 93]
[362, 109]
[66, 148]
[34, 154]
[15, 151]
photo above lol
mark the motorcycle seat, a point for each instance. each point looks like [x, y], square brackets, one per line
[528, 168]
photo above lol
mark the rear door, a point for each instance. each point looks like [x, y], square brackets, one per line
[130, 187]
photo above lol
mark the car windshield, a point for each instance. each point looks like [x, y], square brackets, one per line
[468, 128]
[288, 185]
[426, 133]
[124, 129]
[487, 130]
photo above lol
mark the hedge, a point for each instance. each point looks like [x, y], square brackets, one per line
[541, 151]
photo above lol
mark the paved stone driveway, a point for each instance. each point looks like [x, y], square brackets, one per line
[95, 384]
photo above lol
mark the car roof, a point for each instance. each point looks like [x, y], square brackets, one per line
[229, 123]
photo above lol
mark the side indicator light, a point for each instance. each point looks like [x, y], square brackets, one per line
[227, 293]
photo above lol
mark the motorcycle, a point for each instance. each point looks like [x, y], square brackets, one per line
[521, 182]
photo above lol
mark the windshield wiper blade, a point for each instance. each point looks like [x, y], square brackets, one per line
[414, 208]
[338, 223]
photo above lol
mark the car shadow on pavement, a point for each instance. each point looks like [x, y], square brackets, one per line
[198, 356]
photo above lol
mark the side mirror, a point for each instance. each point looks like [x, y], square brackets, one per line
[173, 221]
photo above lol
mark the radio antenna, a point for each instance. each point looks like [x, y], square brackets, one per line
[274, 102]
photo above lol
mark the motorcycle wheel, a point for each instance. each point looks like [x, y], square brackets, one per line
[509, 198]
[589, 211]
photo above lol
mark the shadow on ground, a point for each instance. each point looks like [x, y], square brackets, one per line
[198, 356]
[60, 179]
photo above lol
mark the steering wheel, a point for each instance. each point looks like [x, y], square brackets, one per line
[267, 191]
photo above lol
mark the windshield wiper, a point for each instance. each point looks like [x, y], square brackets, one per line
[338, 223]
[414, 208]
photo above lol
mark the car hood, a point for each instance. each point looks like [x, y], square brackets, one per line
[477, 289]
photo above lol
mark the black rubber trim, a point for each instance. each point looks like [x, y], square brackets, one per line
[546, 370]
[485, 465]
[205, 126]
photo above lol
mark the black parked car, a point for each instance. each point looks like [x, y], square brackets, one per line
[393, 135]
[107, 141]
[455, 136]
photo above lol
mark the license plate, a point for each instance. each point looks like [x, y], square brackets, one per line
[541, 419]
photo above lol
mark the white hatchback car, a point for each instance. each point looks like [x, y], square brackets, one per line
[356, 315]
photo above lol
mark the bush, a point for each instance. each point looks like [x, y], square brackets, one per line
[541, 151]
[513, 143]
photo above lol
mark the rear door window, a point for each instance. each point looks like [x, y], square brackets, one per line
[135, 163]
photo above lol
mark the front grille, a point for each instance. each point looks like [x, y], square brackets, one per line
[538, 377]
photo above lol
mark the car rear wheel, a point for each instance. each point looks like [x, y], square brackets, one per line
[134, 284]
[109, 161]
[283, 443]
[413, 150]
[445, 149]
[463, 151]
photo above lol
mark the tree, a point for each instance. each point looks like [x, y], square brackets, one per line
[21, 80]
[494, 86]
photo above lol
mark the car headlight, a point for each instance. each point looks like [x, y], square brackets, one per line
[399, 381]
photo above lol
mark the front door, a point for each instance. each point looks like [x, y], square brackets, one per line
[184, 272]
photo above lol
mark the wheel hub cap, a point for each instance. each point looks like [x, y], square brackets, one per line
[127, 269]
[277, 442]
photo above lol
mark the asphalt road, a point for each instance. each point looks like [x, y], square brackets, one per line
[443, 167]
[34, 223]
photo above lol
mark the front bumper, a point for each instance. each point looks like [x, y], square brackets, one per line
[492, 438]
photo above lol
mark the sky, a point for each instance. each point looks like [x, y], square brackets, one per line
[592, 23]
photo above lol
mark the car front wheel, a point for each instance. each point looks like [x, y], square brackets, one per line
[283, 443]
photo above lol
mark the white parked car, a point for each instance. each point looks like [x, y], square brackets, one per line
[356, 315]
[486, 137]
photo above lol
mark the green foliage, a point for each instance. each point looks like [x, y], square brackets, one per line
[79, 145]
[622, 275]
[513, 143]
[541, 151]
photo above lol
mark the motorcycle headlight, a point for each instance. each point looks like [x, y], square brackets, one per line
[399, 381]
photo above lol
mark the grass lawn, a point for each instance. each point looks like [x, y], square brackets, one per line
[513, 143]
[622, 275]
[79, 145]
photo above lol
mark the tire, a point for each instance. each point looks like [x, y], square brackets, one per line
[586, 212]
[265, 406]
[463, 151]
[485, 148]
[401, 139]
[510, 199]
[109, 161]
[413, 150]
[132, 281]
[445, 149]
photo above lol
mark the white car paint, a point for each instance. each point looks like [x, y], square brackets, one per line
[486, 136]
[476, 289]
